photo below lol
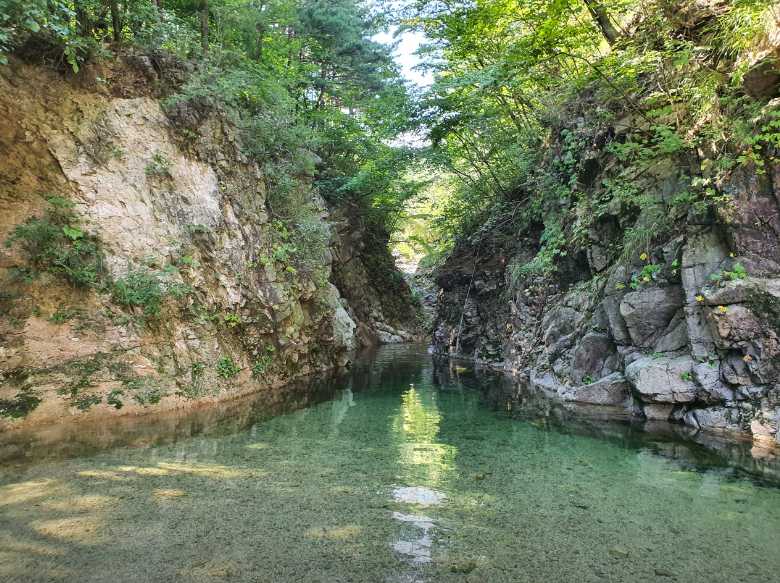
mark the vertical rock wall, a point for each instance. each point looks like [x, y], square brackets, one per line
[169, 195]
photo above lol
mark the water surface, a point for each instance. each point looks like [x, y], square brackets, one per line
[399, 472]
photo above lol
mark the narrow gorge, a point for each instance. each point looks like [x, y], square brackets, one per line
[389, 291]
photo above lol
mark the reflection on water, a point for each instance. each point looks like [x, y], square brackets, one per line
[418, 495]
[414, 539]
[422, 457]
[400, 471]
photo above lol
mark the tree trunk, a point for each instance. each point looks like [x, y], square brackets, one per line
[204, 25]
[82, 20]
[600, 16]
[116, 21]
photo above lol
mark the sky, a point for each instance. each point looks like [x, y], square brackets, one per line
[408, 43]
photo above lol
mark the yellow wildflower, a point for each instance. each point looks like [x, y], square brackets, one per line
[722, 309]
[700, 298]
[643, 256]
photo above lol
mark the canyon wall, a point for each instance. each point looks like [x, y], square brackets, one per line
[143, 267]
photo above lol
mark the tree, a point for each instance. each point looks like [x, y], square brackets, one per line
[602, 19]
[116, 21]
[204, 25]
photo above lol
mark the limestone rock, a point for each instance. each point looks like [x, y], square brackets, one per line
[343, 326]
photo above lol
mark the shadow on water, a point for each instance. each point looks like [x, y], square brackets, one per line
[402, 470]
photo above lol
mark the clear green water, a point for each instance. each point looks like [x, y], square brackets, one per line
[404, 474]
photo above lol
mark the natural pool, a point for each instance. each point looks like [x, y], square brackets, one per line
[399, 472]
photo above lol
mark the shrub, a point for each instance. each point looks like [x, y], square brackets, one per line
[86, 402]
[737, 272]
[56, 244]
[146, 289]
[159, 165]
[20, 406]
[144, 390]
[232, 320]
[264, 362]
[227, 368]
[142, 289]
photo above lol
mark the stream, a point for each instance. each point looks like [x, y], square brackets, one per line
[403, 470]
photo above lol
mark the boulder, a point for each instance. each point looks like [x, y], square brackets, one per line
[728, 292]
[675, 337]
[735, 325]
[611, 390]
[714, 419]
[734, 370]
[595, 356]
[544, 381]
[617, 325]
[663, 380]
[762, 80]
[648, 313]
[559, 322]
[711, 389]
[610, 305]
[343, 332]
[754, 219]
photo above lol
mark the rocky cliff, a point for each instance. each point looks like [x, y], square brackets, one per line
[681, 325]
[143, 267]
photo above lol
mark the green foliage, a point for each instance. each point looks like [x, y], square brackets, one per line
[736, 273]
[316, 101]
[227, 368]
[140, 288]
[56, 244]
[263, 362]
[20, 405]
[232, 320]
[84, 402]
[146, 289]
[196, 388]
[553, 244]
[159, 165]
[648, 274]
[528, 107]
[115, 398]
[62, 315]
[49, 23]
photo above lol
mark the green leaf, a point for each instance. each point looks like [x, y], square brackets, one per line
[73, 233]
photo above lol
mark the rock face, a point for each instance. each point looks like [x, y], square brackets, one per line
[649, 314]
[168, 195]
[663, 380]
[686, 329]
